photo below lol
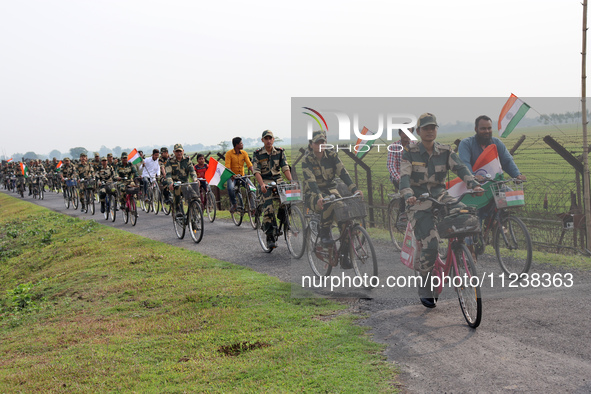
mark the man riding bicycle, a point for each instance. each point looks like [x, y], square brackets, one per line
[423, 169]
[235, 160]
[150, 170]
[320, 167]
[125, 173]
[106, 176]
[85, 171]
[178, 169]
[268, 162]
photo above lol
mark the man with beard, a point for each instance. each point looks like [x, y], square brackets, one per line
[470, 148]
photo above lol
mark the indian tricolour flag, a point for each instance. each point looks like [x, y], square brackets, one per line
[513, 111]
[217, 174]
[59, 166]
[9, 160]
[25, 170]
[363, 145]
[134, 157]
[515, 198]
[293, 195]
[487, 163]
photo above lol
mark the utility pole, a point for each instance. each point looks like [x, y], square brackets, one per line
[586, 188]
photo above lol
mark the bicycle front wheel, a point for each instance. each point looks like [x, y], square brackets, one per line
[210, 206]
[178, 221]
[113, 201]
[91, 202]
[396, 233]
[295, 232]
[75, 197]
[41, 190]
[67, 197]
[133, 211]
[260, 232]
[195, 216]
[238, 213]
[467, 289]
[513, 246]
[362, 254]
[318, 255]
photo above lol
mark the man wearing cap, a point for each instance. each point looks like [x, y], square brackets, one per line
[150, 168]
[423, 170]
[178, 169]
[105, 175]
[268, 162]
[96, 163]
[164, 156]
[234, 160]
[67, 171]
[110, 161]
[320, 167]
[85, 171]
[125, 174]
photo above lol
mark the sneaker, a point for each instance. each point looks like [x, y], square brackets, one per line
[271, 241]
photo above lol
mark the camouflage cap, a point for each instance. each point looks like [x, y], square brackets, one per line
[96, 154]
[124, 155]
[268, 132]
[318, 135]
[83, 154]
[163, 149]
[109, 155]
[178, 147]
[66, 159]
[103, 158]
[426, 119]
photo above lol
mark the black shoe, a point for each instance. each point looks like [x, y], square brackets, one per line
[426, 294]
[346, 262]
[102, 207]
[429, 302]
[271, 241]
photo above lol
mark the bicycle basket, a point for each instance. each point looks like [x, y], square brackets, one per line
[132, 189]
[71, 182]
[190, 191]
[289, 192]
[459, 223]
[508, 194]
[353, 208]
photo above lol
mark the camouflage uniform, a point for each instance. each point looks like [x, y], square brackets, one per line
[128, 171]
[319, 179]
[106, 175]
[179, 172]
[270, 167]
[86, 172]
[421, 173]
[69, 172]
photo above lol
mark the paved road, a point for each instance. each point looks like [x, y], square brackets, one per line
[533, 339]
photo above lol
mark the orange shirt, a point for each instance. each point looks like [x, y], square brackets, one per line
[235, 161]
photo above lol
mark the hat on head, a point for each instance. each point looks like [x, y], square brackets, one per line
[66, 159]
[164, 149]
[96, 154]
[318, 135]
[178, 147]
[124, 155]
[109, 155]
[83, 154]
[268, 132]
[426, 119]
[103, 158]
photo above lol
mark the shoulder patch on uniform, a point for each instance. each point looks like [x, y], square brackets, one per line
[279, 149]
[444, 146]
[412, 148]
[258, 150]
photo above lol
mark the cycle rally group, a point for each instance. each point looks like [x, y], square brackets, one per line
[439, 227]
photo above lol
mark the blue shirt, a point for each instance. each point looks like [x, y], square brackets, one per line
[469, 151]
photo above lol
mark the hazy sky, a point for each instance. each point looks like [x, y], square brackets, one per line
[133, 73]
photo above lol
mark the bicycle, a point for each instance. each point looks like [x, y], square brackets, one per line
[510, 237]
[245, 200]
[129, 208]
[396, 220]
[88, 189]
[193, 218]
[37, 187]
[71, 193]
[292, 224]
[154, 197]
[208, 201]
[110, 203]
[458, 258]
[353, 241]
[165, 205]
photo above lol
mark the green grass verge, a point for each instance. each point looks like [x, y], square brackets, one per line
[88, 308]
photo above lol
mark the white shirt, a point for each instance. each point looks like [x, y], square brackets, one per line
[150, 168]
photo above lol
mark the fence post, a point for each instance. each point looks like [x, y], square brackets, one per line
[517, 145]
[362, 164]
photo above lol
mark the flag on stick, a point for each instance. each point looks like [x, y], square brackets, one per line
[217, 174]
[134, 157]
[513, 111]
[59, 166]
[364, 145]
[9, 160]
[25, 170]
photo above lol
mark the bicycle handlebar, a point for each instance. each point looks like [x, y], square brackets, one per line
[332, 198]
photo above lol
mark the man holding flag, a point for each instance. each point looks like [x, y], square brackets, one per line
[471, 148]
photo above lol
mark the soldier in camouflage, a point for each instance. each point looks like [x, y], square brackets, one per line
[85, 171]
[178, 169]
[67, 172]
[106, 176]
[125, 174]
[164, 156]
[320, 167]
[110, 161]
[268, 162]
[96, 163]
[423, 169]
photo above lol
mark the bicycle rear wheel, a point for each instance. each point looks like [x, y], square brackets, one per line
[178, 220]
[156, 201]
[75, 197]
[166, 206]
[295, 232]
[126, 213]
[513, 246]
[318, 256]
[113, 201]
[468, 292]
[67, 197]
[362, 253]
[396, 233]
[238, 214]
[210, 206]
[195, 216]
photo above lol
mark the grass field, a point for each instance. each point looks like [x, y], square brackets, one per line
[87, 308]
